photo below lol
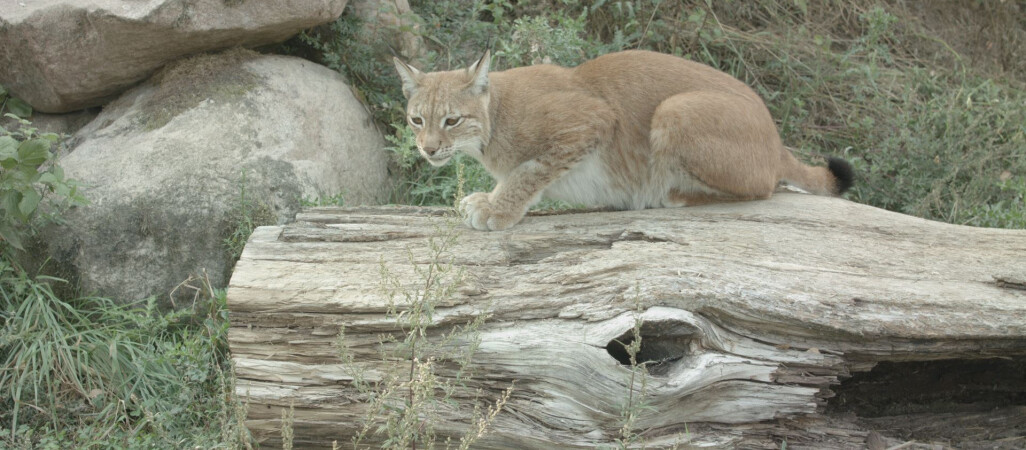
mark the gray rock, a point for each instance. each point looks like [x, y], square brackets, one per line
[63, 55]
[392, 22]
[164, 167]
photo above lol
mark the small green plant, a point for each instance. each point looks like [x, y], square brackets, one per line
[331, 200]
[483, 421]
[405, 403]
[245, 216]
[361, 54]
[637, 385]
[52, 349]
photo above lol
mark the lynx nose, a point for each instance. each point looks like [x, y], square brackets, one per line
[430, 150]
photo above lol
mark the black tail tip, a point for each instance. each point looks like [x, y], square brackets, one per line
[843, 172]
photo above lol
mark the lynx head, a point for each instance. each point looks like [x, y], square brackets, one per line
[448, 111]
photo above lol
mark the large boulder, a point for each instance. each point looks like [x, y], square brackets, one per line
[391, 22]
[207, 147]
[63, 55]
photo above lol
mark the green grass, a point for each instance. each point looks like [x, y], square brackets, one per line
[89, 373]
[245, 216]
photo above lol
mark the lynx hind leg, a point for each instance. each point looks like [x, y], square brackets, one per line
[715, 147]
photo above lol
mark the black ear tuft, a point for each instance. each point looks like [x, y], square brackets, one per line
[479, 72]
[843, 172]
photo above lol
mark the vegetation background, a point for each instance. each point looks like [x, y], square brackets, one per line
[927, 99]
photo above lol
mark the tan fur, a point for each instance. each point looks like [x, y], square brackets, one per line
[628, 130]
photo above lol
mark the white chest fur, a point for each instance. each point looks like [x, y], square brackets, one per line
[589, 184]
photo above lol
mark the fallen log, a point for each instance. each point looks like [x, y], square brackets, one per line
[753, 318]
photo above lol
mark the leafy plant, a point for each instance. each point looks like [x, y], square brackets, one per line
[544, 39]
[1007, 213]
[32, 189]
[13, 105]
[288, 417]
[358, 52]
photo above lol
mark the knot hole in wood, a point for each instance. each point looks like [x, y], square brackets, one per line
[666, 344]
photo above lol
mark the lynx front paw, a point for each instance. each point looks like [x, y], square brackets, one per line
[479, 213]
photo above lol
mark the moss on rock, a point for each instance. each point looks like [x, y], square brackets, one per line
[183, 84]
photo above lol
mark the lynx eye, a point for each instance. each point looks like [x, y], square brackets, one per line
[453, 121]
[417, 121]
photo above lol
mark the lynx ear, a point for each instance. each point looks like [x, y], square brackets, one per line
[409, 75]
[479, 71]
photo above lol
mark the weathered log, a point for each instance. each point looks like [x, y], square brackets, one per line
[753, 314]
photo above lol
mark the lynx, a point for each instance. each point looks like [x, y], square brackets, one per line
[627, 130]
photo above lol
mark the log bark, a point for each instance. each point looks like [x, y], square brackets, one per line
[752, 314]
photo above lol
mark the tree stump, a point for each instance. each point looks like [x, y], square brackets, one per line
[761, 324]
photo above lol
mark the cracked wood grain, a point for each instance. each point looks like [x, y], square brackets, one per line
[753, 310]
